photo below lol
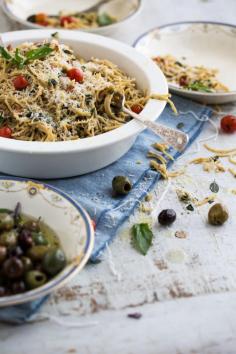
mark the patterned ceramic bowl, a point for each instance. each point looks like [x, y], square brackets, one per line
[67, 218]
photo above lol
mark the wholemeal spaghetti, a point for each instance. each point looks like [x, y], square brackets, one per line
[195, 78]
[47, 94]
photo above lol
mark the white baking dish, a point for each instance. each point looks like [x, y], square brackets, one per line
[70, 158]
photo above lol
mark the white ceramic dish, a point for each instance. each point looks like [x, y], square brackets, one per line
[70, 158]
[19, 10]
[201, 43]
[67, 218]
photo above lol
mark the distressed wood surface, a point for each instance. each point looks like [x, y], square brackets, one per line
[184, 288]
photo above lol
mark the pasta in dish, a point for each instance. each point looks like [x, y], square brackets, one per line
[48, 94]
[195, 78]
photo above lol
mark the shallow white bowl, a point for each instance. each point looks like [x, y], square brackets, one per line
[201, 43]
[19, 10]
[66, 217]
[70, 158]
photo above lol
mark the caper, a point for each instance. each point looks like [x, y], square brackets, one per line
[39, 238]
[6, 221]
[3, 253]
[36, 253]
[27, 263]
[35, 278]
[8, 238]
[54, 261]
[218, 214]
[13, 268]
[121, 185]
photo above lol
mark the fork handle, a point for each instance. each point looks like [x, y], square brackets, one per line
[172, 137]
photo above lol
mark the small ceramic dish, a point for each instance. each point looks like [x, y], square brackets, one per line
[66, 217]
[19, 10]
[210, 44]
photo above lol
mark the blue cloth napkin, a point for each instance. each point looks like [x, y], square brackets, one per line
[93, 190]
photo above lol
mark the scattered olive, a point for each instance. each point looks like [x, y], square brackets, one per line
[218, 214]
[121, 185]
[34, 279]
[25, 239]
[3, 254]
[167, 217]
[54, 261]
[13, 268]
[18, 287]
[8, 238]
[39, 239]
[27, 263]
[6, 221]
[32, 225]
[36, 253]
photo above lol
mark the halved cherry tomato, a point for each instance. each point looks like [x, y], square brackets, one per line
[65, 20]
[43, 23]
[5, 132]
[136, 108]
[228, 124]
[76, 74]
[20, 82]
[183, 80]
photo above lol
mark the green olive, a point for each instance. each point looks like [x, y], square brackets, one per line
[35, 278]
[121, 185]
[27, 263]
[218, 214]
[54, 261]
[8, 238]
[6, 221]
[3, 254]
[39, 238]
[32, 225]
[37, 253]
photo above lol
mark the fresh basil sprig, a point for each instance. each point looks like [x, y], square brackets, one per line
[198, 86]
[33, 54]
[38, 53]
[142, 237]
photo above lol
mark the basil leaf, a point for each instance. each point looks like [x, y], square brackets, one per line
[5, 54]
[198, 86]
[7, 211]
[38, 53]
[18, 60]
[142, 238]
[105, 20]
[1, 120]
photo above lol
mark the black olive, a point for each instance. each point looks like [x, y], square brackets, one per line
[13, 268]
[167, 217]
[25, 239]
[15, 252]
[2, 291]
[18, 287]
[3, 254]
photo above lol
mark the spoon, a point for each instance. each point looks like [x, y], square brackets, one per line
[172, 137]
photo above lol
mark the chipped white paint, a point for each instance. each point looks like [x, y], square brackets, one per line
[177, 318]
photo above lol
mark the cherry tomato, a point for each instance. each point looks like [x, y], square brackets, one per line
[43, 23]
[94, 224]
[41, 18]
[228, 124]
[183, 80]
[65, 20]
[136, 108]
[5, 132]
[76, 74]
[20, 82]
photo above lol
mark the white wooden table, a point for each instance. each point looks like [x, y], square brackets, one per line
[184, 288]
